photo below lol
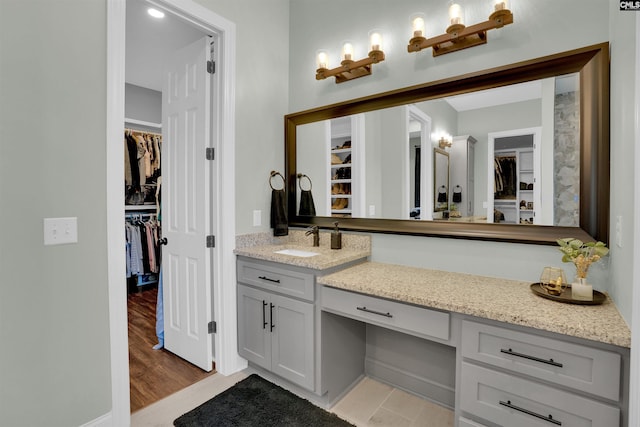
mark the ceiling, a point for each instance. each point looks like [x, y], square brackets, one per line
[149, 41]
[510, 94]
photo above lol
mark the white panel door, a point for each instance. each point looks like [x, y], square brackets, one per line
[186, 205]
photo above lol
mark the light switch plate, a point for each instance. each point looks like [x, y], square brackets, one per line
[58, 231]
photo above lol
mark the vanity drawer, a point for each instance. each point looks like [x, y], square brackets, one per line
[580, 367]
[406, 318]
[508, 400]
[463, 422]
[276, 278]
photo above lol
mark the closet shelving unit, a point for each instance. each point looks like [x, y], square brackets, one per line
[526, 179]
[145, 127]
[520, 207]
[340, 185]
[144, 211]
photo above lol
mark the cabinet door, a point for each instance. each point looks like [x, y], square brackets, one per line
[292, 340]
[254, 337]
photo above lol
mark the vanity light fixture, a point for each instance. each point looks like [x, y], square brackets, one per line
[458, 36]
[350, 69]
[444, 142]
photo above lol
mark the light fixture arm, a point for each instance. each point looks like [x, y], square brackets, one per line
[349, 70]
[460, 37]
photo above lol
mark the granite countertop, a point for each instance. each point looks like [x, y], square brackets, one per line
[353, 248]
[503, 300]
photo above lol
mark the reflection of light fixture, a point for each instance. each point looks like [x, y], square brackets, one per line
[155, 13]
[444, 142]
[350, 69]
[458, 36]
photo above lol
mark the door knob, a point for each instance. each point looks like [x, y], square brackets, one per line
[163, 241]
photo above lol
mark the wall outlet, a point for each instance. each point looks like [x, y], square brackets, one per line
[58, 231]
[257, 218]
[372, 210]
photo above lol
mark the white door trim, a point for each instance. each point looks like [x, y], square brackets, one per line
[224, 277]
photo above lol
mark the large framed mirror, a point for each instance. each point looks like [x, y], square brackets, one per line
[370, 176]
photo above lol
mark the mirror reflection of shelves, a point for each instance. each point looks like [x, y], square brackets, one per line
[342, 187]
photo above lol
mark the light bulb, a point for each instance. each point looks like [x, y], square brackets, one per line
[418, 26]
[455, 14]
[322, 60]
[501, 5]
[376, 41]
[347, 52]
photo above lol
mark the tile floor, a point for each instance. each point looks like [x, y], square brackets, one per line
[370, 403]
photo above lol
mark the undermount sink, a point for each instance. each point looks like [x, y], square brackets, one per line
[297, 252]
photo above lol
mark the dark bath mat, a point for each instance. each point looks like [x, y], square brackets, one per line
[255, 401]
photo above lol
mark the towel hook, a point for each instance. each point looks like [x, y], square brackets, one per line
[300, 176]
[276, 173]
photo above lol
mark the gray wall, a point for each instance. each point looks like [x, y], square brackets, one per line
[479, 123]
[54, 324]
[262, 92]
[539, 29]
[143, 104]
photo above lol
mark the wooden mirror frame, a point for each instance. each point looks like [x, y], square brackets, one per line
[591, 62]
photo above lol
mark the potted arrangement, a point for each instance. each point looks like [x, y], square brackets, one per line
[582, 255]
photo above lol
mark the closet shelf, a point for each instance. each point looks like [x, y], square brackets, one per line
[140, 207]
[143, 123]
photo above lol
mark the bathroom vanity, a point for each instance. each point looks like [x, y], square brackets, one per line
[487, 348]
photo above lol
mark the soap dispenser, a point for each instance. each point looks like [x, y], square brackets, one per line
[336, 238]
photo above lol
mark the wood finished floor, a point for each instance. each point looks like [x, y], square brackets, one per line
[153, 374]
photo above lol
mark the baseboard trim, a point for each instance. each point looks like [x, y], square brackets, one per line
[440, 394]
[105, 420]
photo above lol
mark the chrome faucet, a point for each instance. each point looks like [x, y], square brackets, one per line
[316, 235]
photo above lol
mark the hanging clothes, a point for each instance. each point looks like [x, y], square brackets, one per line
[142, 245]
[142, 166]
[505, 172]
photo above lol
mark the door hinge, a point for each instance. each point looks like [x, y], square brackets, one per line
[210, 153]
[211, 241]
[211, 67]
[212, 327]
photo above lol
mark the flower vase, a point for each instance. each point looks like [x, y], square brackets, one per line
[581, 290]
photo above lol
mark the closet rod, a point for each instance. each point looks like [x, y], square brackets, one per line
[140, 215]
[142, 132]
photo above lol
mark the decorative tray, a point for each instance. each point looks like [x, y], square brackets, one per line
[565, 296]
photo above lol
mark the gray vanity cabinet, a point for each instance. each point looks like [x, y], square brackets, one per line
[276, 331]
[510, 377]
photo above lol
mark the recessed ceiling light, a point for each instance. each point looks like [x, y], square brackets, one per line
[155, 13]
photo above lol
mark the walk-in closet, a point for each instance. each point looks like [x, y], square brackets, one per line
[154, 371]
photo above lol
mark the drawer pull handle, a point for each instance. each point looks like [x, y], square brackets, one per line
[264, 316]
[270, 280]
[526, 356]
[379, 313]
[548, 418]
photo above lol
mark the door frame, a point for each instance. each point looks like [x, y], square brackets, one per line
[536, 131]
[426, 161]
[227, 359]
